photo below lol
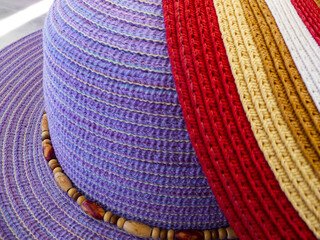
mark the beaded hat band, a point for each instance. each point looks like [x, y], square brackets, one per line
[164, 120]
[97, 212]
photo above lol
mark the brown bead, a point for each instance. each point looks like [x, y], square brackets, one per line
[230, 233]
[121, 222]
[214, 234]
[76, 196]
[52, 161]
[137, 229]
[207, 235]
[57, 169]
[163, 234]
[63, 181]
[48, 152]
[54, 166]
[170, 234]
[93, 209]
[222, 233]
[81, 199]
[72, 191]
[47, 141]
[44, 123]
[107, 216]
[114, 219]
[155, 233]
[189, 235]
[45, 135]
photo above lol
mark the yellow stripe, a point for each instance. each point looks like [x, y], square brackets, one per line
[288, 99]
[294, 173]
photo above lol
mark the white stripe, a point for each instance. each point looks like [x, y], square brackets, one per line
[303, 48]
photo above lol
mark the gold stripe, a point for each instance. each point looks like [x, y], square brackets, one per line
[317, 2]
[294, 173]
[291, 106]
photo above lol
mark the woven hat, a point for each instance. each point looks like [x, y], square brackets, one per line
[163, 120]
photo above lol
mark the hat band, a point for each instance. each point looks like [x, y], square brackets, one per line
[94, 210]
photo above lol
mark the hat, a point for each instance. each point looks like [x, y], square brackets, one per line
[151, 119]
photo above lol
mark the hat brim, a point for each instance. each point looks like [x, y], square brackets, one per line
[32, 206]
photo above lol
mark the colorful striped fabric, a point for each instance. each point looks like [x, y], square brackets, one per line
[179, 114]
[253, 124]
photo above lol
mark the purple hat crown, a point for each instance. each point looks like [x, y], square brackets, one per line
[115, 120]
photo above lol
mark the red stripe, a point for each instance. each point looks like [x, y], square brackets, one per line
[309, 13]
[239, 176]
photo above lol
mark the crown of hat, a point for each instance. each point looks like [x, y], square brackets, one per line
[115, 120]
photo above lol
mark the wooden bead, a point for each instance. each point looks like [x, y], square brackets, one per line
[155, 233]
[44, 123]
[52, 161]
[170, 235]
[45, 135]
[214, 234]
[76, 196]
[114, 219]
[63, 181]
[120, 222]
[137, 229]
[55, 166]
[222, 233]
[57, 169]
[189, 234]
[81, 199]
[93, 209]
[72, 191]
[230, 233]
[163, 234]
[207, 235]
[48, 152]
[107, 216]
[47, 141]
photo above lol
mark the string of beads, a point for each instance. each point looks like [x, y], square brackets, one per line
[132, 227]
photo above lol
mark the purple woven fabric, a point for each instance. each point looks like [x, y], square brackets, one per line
[114, 116]
[32, 206]
[115, 122]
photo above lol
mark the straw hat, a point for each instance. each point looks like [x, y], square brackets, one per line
[162, 120]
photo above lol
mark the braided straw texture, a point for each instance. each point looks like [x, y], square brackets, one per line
[303, 48]
[317, 2]
[305, 132]
[32, 206]
[310, 15]
[293, 171]
[115, 120]
[239, 176]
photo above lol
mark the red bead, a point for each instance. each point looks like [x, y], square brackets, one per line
[48, 152]
[189, 235]
[93, 209]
